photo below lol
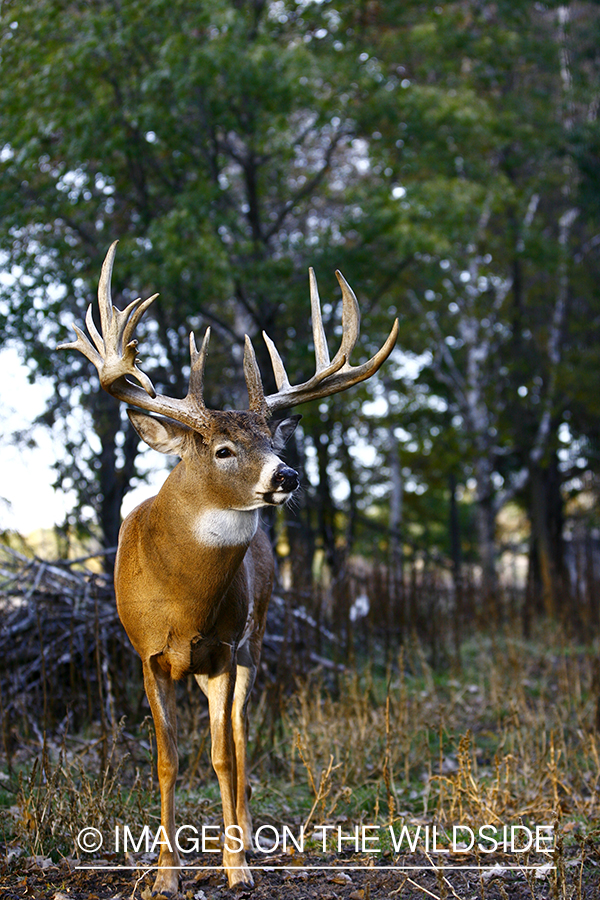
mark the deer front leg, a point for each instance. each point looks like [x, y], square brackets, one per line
[246, 672]
[219, 690]
[160, 691]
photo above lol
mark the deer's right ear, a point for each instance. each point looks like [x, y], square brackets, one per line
[163, 435]
[283, 430]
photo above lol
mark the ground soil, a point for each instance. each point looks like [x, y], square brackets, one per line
[44, 880]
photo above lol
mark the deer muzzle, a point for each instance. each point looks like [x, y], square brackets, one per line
[285, 479]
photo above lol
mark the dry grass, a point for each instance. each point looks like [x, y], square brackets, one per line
[65, 790]
[506, 737]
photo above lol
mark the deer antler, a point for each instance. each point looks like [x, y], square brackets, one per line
[331, 376]
[114, 353]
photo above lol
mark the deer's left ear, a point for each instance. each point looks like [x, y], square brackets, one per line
[283, 430]
[163, 435]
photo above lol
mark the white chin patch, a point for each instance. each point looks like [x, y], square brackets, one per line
[225, 527]
[276, 498]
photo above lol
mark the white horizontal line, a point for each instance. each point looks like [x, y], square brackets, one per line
[496, 868]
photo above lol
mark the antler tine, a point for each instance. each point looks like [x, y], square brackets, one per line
[350, 318]
[195, 392]
[83, 345]
[105, 303]
[113, 354]
[330, 376]
[319, 339]
[256, 393]
[281, 377]
[132, 315]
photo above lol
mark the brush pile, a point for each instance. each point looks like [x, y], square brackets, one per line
[60, 634]
[64, 654]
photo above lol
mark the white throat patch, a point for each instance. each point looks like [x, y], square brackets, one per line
[225, 527]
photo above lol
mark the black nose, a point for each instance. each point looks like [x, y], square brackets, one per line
[286, 478]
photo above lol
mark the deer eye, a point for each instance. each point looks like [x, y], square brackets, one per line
[224, 453]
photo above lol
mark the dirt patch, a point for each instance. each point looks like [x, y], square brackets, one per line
[351, 878]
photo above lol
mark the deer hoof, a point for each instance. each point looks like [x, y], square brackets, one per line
[241, 878]
[166, 887]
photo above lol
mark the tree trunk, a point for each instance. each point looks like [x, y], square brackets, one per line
[455, 553]
[113, 480]
[348, 470]
[396, 504]
[325, 505]
[486, 532]
[396, 613]
[547, 566]
[299, 526]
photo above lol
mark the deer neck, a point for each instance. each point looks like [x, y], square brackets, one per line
[186, 513]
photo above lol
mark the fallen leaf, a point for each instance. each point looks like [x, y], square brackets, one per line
[39, 862]
[340, 878]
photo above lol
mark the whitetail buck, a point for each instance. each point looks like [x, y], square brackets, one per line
[194, 570]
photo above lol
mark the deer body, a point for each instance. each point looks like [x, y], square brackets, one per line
[168, 604]
[198, 541]
[194, 570]
[193, 580]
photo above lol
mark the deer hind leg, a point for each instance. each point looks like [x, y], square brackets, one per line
[160, 691]
[245, 674]
[219, 690]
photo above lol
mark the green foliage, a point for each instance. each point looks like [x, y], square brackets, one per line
[203, 137]
[485, 132]
[444, 157]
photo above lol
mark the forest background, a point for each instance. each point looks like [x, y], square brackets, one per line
[446, 158]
